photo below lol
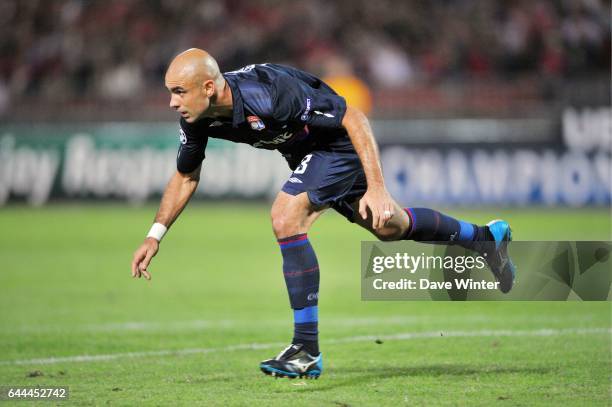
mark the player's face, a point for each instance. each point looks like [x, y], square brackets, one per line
[188, 98]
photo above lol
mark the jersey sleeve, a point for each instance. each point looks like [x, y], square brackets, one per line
[297, 102]
[191, 148]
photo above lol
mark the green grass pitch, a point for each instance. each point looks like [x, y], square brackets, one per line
[185, 337]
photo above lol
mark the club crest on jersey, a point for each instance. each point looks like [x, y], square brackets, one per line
[256, 123]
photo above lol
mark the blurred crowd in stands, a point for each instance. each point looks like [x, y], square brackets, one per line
[118, 49]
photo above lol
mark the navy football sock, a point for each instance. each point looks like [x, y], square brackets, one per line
[427, 225]
[301, 271]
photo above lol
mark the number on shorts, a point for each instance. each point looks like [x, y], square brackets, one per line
[303, 165]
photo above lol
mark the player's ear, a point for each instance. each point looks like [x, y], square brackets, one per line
[209, 87]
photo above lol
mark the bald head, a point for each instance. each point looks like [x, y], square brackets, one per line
[196, 84]
[196, 66]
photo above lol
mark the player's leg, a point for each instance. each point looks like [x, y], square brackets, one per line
[395, 229]
[322, 178]
[490, 240]
[428, 225]
[425, 225]
[292, 216]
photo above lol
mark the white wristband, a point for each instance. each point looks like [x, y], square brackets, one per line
[157, 231]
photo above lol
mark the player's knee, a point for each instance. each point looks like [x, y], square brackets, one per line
[389, 234]
[283, 225]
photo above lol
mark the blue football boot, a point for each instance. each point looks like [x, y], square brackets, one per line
[294, 362]
[496, 254]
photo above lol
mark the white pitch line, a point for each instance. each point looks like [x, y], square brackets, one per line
[257, 346]
[202, 324]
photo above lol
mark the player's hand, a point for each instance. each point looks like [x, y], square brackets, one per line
[142, 257]
[380, 203]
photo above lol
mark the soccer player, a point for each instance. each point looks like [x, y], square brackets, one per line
[335, 162]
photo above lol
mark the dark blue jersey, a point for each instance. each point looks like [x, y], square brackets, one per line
[275, 107]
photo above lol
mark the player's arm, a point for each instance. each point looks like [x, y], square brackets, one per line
[376, 198]
[179, 190]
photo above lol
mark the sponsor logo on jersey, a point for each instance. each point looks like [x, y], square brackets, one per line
[280, 139]
[182, 136]
[216, 124]
[295, 180]
[306, 113]
[256, 123]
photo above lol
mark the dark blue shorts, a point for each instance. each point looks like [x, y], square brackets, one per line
[330, 178]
